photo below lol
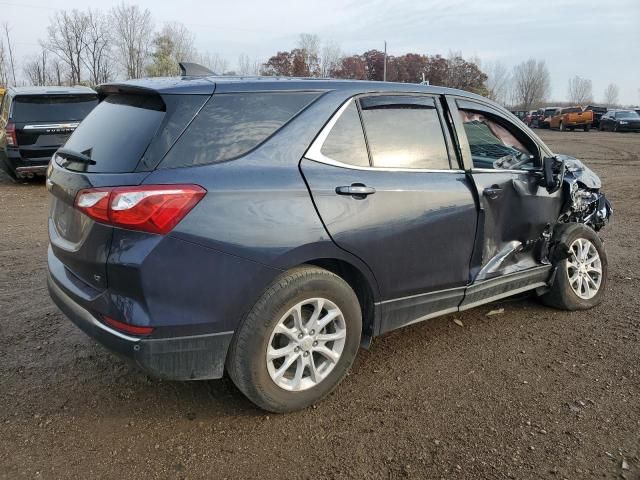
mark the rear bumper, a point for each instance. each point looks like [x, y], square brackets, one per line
[28, 166]
[192, 357]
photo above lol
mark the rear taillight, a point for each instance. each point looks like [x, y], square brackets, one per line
[12, 140]
[148, 208]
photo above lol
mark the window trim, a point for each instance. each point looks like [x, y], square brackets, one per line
[314, 152]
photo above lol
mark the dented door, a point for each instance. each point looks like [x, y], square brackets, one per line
[515, 213]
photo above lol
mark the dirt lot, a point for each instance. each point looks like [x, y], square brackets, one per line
[531, 393]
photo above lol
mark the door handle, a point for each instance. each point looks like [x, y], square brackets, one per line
[356, 190]
[493, 192]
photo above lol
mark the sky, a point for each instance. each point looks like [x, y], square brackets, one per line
[595, 39]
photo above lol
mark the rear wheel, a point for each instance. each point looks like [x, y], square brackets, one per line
[298, 341]
[581, 277]
[586, 128]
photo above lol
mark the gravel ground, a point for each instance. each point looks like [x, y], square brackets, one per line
[530, 393]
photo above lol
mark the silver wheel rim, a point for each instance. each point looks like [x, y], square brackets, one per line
[306, 344]
[584, 268]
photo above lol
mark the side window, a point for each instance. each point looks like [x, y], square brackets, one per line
[404, 132]
[345, 142]
[493, 144]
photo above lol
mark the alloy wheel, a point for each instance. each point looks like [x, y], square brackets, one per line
[584, 268]
[306, 344]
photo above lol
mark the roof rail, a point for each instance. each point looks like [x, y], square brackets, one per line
[188, 69]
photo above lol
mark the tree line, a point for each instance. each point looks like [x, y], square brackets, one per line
[95, 46]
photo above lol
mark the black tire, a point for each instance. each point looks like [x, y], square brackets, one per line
[10, 171]
[561, 295]
[246, 360]
[586, 128]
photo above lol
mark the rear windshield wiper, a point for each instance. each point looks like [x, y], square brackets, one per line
[74, 156]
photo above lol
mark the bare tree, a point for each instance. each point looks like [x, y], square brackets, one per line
[330, 58]
[247, 65]
[5, 27]
[214, 62]
[498, 81]
[611, 94]
[309, 45]
[66, 36]
[35, 69]
[97, 56]
[580, 90]
[133, 35]
[4, 65]
[531, 83]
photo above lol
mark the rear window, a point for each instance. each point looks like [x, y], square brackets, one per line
[117, 132]
[52, 108]
[232, 124]
[572, 110]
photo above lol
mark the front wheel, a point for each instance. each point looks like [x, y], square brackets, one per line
[298, 341]
[561, 127]
[581, 277]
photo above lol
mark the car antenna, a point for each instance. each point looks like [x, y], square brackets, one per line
[188, 69]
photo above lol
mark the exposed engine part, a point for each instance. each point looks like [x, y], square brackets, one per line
[584, 201]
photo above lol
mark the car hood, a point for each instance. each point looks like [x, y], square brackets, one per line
[579, 172]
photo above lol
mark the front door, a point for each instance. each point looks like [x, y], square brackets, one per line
[391, 197]
[516, 212]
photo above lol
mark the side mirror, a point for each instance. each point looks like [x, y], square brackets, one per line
[553, 173]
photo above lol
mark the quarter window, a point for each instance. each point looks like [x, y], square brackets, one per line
[232, 124]
[345, 142]
[404, 132]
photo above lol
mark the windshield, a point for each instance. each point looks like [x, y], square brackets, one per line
[52, 108]
[628, 114]
[550, 111]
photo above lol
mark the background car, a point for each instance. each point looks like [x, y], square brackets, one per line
[570, 118]
[270, 227]
[36, 121]
[598, 112]
[620, 121]
[545, 118]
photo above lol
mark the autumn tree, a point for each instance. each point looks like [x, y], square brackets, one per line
[171, 45]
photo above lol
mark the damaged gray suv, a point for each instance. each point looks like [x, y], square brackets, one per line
[270, 227]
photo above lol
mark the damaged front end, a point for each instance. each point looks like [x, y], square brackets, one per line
[584, 202]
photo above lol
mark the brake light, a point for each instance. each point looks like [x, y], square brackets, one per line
[127, 327]
[147, 208]
[12, 140]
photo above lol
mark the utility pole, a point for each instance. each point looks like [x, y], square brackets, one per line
[384, 69]
[13, 69]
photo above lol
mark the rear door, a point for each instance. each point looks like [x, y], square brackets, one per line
[395, 196]
[125, 137]
[44, 122]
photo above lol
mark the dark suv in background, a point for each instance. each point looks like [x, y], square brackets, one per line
[36, 121]
[270, 227]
